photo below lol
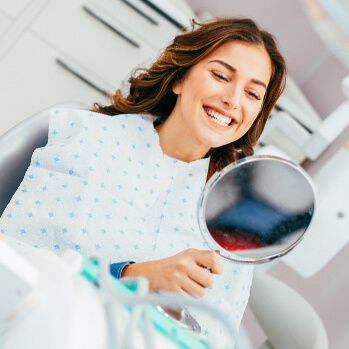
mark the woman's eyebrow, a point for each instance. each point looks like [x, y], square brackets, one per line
[231, 68]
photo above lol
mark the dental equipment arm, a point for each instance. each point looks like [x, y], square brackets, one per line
[289, 120]
[329, 130]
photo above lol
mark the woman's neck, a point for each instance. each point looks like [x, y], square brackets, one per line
[176, 142]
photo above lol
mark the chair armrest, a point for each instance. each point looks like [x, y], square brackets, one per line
[287, 319]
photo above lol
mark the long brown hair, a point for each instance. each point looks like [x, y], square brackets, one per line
[151, 90]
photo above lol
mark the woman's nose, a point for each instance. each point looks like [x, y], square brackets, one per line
[232, 98]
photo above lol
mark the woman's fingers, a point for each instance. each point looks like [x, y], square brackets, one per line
[198, 263]
[210, 260]
[201, 276]
[193, 288]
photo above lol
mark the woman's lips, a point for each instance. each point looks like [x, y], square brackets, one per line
[219, 119]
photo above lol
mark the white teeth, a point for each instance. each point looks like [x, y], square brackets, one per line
[217, 117]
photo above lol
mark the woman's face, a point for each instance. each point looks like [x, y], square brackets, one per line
[222, 95]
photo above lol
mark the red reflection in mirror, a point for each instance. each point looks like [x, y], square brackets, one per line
[235, 240]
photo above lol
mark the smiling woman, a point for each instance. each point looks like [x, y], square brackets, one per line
[240, 56]
[127, 187]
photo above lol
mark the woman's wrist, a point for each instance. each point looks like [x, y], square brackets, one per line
[127, 270]
[138, 269]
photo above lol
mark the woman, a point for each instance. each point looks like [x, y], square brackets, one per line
[198, 62]
[127, 187]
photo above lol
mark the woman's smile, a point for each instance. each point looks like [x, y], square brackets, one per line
[218, 118]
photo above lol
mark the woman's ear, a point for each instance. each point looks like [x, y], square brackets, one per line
[177, 87]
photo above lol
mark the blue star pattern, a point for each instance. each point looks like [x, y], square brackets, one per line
[103, 186]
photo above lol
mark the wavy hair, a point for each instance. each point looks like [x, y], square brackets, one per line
[151, 90]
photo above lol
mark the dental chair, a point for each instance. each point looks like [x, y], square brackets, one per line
[17, 146]
[287, 319]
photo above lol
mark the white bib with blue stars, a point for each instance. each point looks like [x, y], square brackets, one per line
[103, 186]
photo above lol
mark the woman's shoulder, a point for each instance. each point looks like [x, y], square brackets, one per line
[80, 116]
[66, 120]
[134, 120]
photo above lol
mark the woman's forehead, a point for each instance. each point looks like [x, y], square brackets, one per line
[240, 55]
[232, 48]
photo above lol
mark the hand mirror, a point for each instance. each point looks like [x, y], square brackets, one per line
[256, 209]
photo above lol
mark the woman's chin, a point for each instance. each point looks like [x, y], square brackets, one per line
[213, 143]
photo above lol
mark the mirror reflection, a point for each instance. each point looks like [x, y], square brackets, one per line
[257, 209]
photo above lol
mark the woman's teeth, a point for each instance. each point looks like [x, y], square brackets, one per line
[217, 117]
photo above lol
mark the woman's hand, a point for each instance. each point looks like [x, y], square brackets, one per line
[181, 273]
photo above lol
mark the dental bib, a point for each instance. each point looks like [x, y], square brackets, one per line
[103, 186]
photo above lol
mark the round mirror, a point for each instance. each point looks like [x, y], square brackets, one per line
[256, 209]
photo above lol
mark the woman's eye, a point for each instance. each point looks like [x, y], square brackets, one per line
[254, 95]
[219, 76]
